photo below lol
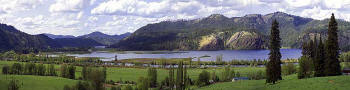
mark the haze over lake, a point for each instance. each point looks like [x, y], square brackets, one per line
[228, 55]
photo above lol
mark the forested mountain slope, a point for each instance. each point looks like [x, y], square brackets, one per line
[217, 32]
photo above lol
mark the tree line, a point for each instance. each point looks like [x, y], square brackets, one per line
[30, 69]
[317, 59]
[320, 59]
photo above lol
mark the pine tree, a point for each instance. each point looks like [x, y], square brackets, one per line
[152, 76]
[320, 59]
[332, 66]
[182, 79]
[273, 68]
[171, 77]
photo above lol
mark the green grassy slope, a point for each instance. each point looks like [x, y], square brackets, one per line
[289, 83]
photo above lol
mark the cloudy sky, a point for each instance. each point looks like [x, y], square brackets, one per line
[77, 17]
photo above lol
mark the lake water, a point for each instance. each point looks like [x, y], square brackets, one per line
[228, 55]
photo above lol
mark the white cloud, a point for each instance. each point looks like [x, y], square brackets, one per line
[8, 6]
[92, 18]
[132, 7]
[337, 4]
[80, 14]
[69, 5]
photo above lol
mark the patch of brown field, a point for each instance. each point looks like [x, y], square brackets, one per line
[331, 81]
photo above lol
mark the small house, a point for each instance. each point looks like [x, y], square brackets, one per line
[100, 47]
[346, 71]
[239, 78]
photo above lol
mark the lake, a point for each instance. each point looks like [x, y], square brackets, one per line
[228, 55]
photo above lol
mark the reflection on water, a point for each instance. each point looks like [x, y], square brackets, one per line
[228, 55]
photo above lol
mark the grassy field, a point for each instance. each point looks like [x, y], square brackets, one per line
[289, 83]
[31, 82]
[132, 74]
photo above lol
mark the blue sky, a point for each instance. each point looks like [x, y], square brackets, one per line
[78, 17]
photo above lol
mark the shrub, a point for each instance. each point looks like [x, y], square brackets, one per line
[16, 68]
[6, 69]
[288, 69]
[143, 83]
[256, 75]
[227, 74]
[14, 85]
[305, 69]
[40, 69]
[30, 68]
[128, 87]
[203, 78]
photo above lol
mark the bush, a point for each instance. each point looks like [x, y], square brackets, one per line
[305, 69]
[227, 74]
[51, 71]
[128, 87]
[30, 68]
[14, 85]
[203, 79]
[257, 75]
[143, 83]
[40, 69]
[71, 71]
[288, 69]
[214, 77]
[16, 69]
[6, 69]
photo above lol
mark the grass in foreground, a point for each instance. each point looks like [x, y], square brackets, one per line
[289, 83]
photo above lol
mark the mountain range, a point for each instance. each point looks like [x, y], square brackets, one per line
[218, 32]
[104, 38]
[215, 32]
[13, 39]
[92, 39]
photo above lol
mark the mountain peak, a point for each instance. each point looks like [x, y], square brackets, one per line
[53, 36]
[278, 13]
[253, 15]
[97, 33]
[216, 16]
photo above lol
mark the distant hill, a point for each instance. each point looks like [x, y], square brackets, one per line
[217, 32]
[77, 42]
[98, 37]
[13, 39]
[104, 38]
[58, 36]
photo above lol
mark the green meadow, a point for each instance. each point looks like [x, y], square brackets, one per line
[288, 83]
[113, 73]
[31, 82]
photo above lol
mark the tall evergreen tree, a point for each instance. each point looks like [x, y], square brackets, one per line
[182, 79]
[273, 68]
[320, 59]
[171, 78]
[332, 66]
[152, 77]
